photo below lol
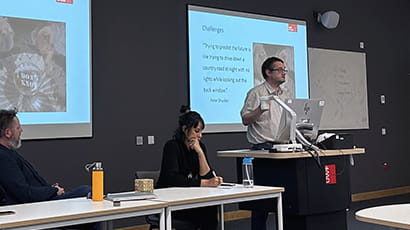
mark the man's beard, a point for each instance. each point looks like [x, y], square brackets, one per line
[15, 144]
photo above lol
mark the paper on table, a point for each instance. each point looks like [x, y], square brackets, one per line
[227, 185]
[128, 196]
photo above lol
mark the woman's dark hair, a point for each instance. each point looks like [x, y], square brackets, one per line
[189, 119]
[6, 119]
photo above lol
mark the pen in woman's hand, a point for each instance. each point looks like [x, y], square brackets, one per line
[218, 179]
[213, 173]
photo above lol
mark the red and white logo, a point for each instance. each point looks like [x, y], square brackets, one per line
[292, 28]
[65, 1]
[330, 174]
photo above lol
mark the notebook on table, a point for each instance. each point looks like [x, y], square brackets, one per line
[129, 196]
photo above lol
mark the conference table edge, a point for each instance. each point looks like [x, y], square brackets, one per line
[287, 155]
[274, 192]
[74, 217]
[383, 222]
[375, 215]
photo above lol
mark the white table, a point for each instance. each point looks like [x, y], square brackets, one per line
[57, 213]
[397, 215]
[194, 197]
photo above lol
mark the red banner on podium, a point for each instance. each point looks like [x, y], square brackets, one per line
[330, 174]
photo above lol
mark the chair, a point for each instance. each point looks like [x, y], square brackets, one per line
[2, 196]
[148, 175]
[153, 220]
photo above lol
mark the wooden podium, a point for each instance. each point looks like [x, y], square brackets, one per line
[317, 189]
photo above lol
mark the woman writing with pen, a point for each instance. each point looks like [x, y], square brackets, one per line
[185, 164]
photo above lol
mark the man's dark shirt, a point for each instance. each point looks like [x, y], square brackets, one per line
[20, 181]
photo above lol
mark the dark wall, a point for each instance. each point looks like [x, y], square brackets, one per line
[140, 80]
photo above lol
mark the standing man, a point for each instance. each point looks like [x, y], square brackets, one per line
[263, 121]
[20, 181]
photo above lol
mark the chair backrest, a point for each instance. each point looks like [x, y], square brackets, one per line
[2, 196]
[153, 220]
[148, 175]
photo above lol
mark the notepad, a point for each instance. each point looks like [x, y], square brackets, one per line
[227, 185]
[129, 196]
[3, 213]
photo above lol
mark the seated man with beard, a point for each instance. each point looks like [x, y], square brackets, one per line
[21, 182]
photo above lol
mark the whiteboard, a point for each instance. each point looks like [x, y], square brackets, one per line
[339, 77]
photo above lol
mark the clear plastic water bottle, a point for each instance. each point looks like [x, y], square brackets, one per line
[247, 172]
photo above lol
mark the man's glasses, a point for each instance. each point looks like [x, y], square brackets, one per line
[280, 70]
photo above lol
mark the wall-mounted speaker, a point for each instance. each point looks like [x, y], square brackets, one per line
[329, 19]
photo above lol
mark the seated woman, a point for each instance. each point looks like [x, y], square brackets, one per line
[185, 164]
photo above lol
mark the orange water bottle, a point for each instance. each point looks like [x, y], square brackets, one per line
[97, 181]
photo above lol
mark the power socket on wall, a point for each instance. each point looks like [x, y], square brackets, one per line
[151, 140]
[139, 140]
[384, 131]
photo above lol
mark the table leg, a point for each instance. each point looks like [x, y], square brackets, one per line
[162, 220]
[105, 225]
[168, 219]
[221, 219]
[110, 225]
[279, 212]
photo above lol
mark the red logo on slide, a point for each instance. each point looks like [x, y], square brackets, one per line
[65, 1]
[330, 174]
[292, 28]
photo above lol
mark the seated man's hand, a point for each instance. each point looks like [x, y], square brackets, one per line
[60, 190]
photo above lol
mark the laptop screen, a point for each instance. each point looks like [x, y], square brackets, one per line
[308, 115]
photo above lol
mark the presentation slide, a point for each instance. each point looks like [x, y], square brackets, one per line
[226, 51]
[45, 66]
